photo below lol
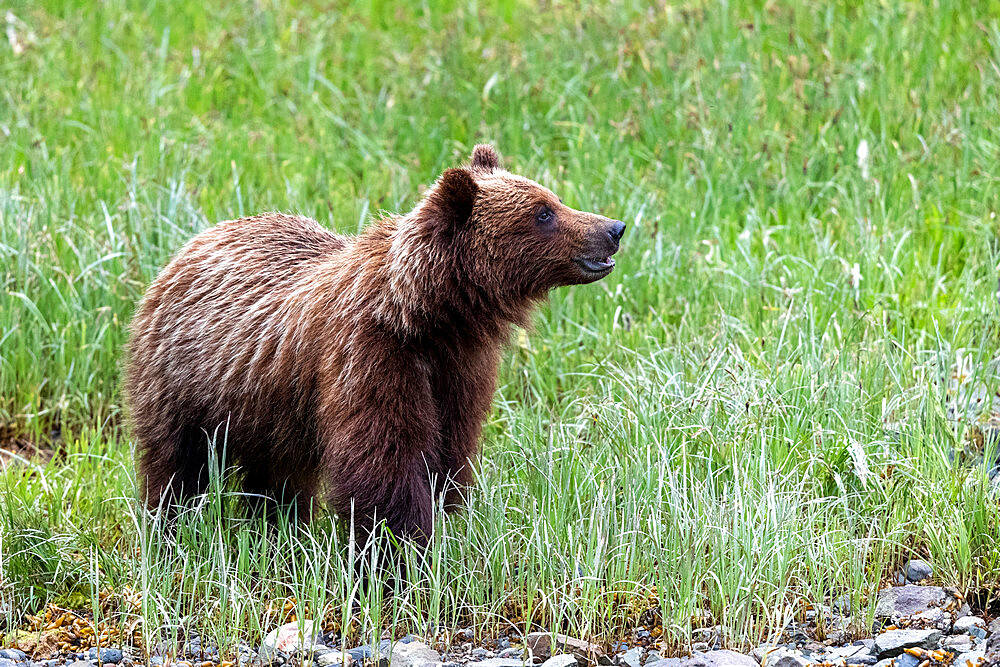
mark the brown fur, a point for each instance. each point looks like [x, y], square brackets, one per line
[357, 368]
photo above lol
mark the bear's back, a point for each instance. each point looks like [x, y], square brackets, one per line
[218, 333]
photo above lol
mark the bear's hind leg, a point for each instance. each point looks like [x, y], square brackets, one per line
[173, 470]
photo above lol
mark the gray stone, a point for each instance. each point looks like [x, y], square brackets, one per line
[7, 662]
[511, 653]
[110, 656]
[783, 657]
[917, 570]
[902, 601]
[907, 660]
[994, 627]
[541, 646]
[501, 662]
[849, 651]
[719, 659]
[890, 644]
[81, 663]
[860, 659]
[888, 662]
[933, 618]
[958, 643]
[564, 660]
[13, 654]
[632, 658]
[966, 622]
[328, 658]
[413, 654]
[969, 659]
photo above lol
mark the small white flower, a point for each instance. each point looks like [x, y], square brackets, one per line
[863, 158]
[855, 277]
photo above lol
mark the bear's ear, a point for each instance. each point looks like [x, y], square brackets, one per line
[453, 197]
[485, 157]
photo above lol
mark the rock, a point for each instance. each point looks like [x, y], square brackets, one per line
[907, 660]
[849, 651]
[13, 654]
[963, 624]
[969, 659]
[888, 662]
[890, 644]
[540, 644]
[480, 654]
[994, 627]
[632, 658]
[933, 618]
[958, 643]
[564, 660]
[329, 658]
[414, 654]
[860, 659]
[718, 659]
[110, 656]
[701, 647]
[917, 570]
[501, 662]
[292, 636]
[904, 601]
[511, 653]
[465, 635]
[783, 657]
[7, 662]
[361, 653]
[81, 663]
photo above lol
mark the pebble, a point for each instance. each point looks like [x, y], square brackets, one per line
[7, 662]
[511, 653]
[480, 654]
[966, 623]
[782, 657]
[107, 655]
[900, 601]
[890, 644]
[501, 662]
[13, 654]
[564, 660]
[412, 654]
[718, 659]
[917, 570]
[632, 658]
[328, 658]
[361, 653]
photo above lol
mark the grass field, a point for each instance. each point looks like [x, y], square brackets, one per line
[752, 414]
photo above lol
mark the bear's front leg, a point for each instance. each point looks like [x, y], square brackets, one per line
[382, 440]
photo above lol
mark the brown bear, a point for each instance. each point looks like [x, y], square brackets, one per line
[357, 368]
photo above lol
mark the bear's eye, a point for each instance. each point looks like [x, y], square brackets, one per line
[545, 216]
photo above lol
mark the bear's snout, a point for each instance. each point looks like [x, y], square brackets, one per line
[603, 238]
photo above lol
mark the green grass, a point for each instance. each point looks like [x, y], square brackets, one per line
[730, 423]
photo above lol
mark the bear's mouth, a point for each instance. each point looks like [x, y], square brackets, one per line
[591, 266]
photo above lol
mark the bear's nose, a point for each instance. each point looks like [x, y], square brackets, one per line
[617, 230]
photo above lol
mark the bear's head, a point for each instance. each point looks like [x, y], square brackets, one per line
[511, 236]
